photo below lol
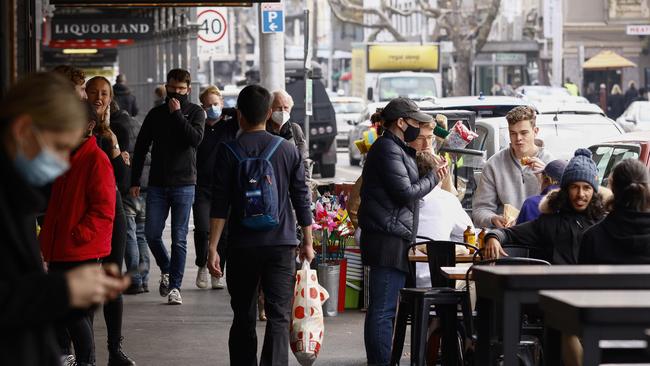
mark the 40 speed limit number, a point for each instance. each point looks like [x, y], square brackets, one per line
[212, 26]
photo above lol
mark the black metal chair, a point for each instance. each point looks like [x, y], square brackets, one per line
[528, 330]
[416, 304]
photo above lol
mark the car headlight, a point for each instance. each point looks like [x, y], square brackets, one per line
[321, 130]
[313, 131]
[329, 129]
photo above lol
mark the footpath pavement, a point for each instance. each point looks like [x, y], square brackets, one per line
[196, 333]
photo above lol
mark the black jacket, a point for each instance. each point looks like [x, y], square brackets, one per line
[175, 137]
[124, 98]
[623, 237]
[126, 128]
[630, 96]
[615, 105]
[223, 130]
[390, 196]
[555, 236]
[31, 301]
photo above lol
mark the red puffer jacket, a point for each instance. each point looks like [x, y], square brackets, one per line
[79, 218]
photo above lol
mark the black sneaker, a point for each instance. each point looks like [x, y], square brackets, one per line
[163, 289]
[145, 287]
[134, 290]
[117, 357]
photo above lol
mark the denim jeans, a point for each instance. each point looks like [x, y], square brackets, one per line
[160, 201]
[385, 284]
[136, 255]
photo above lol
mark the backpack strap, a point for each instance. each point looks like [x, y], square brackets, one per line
[271, 148]
[233, 146]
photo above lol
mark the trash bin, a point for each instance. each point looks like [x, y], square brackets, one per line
[328, 276]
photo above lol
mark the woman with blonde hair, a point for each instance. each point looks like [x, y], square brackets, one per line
[615, 102]
[100, 97]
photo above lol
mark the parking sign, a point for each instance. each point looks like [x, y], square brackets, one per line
[272, 18]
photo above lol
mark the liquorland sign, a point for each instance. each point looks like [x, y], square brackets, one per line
[98, 28]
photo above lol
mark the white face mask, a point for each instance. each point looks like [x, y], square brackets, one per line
[280, 117]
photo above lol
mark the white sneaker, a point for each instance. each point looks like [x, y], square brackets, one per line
[202, 277]
[218, 283]
[174, 297]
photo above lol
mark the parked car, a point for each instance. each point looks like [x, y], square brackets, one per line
[561, 134]
[545, 93]
[483, 106]
[636, 117]
[606, 154]
[349, 111]
[568, 108]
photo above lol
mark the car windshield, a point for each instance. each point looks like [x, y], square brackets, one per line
[416, 88]
[607, 156]
[347, 107]
[562, 140]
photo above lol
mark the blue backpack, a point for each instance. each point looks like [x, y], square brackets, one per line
[258, 186]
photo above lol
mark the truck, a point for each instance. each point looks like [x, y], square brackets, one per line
[383, 71]
[322, 127]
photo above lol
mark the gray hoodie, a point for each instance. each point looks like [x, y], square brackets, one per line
[503, 181]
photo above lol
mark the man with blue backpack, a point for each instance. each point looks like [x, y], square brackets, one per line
[259, 181]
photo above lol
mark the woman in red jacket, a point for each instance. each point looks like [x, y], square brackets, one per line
[78, 227]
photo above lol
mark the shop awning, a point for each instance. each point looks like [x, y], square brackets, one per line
[607, 60]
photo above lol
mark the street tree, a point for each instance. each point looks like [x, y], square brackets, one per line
[467, 26]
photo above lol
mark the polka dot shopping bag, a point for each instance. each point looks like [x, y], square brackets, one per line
[307, 316]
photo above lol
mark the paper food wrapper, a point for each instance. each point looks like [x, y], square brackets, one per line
[510, 213]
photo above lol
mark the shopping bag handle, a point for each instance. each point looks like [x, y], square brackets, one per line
[305, 265]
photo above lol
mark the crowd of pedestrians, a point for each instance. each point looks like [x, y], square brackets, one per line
[102, 187]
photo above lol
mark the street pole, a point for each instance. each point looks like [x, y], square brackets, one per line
[558, 41]
[271, 57]
[307, 66]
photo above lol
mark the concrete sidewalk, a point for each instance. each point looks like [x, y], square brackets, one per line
[196, 333]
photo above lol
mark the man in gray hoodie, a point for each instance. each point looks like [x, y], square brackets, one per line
[509, 177]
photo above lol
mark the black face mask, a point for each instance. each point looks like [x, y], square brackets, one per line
[182, 98]
[411, 133]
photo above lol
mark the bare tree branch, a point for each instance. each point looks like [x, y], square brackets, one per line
[384, 24]
[486, 26]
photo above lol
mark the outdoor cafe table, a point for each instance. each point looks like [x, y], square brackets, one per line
[596, 315]
[510, 286]
[460, 258]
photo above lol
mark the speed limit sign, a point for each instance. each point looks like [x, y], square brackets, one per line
[212, 26]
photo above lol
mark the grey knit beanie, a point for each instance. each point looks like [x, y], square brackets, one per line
[581, 168]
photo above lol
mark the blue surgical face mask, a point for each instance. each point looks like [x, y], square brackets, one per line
[43, 169]
[214, 112]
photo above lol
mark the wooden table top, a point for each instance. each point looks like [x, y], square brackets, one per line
[460, 258]
[455, 273]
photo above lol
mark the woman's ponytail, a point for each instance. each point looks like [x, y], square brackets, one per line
[631, 186]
